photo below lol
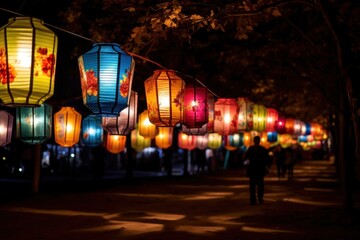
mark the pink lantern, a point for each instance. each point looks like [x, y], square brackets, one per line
[202, 141]
[211, 106]
[195, 106]
[271, 118]
[226, 116]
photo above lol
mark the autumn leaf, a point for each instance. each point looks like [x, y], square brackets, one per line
[276, 13]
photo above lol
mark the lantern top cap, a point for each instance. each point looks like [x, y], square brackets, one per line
[105, 44]
[32, 19]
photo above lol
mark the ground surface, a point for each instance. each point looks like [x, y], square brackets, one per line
[206, 206]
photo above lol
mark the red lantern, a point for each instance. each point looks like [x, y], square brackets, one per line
[186, 141]
[195, 106]
[271, 118]
[280, 124]
[211, 110]
[226, 116]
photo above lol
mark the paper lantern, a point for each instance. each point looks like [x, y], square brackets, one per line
[115, 143]
[280, 124]
[146, 128]
[139, 142]
[215, 140]
[202, 141]
[271, 118]
[306, 129]
[186, 141]
[248, 141]
[164, 138]
[33, 124]
[272, 137]
[106, 74]
[245, 117]
[194, 131]
[6, 126]
[302, 138]
[164, 97]
[293, 126]
[92, 132]
[196, 112]
[211, 110]
[226, 116]
[285, 140]
[259, 118]
[125, 121]
[28, 53]
[264, 140]
[235, 140]
[67, 126]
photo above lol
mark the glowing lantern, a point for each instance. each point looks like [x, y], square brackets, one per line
[293, 126]
[259, 118]
[194, 131]
[126, 121]
[247, 139]
[164, 98]
[139, 142]
[280, 124]
[27, 62]
[302, 138]
[92, 132]
[215, 140]
[34, 123]
[271, 118]
[226, 116]
[285, 140]
[106, 74]
[202, 141]
[211, 106]
[306, 129]
[164, 139]
[67, 124]
[6, 126]
[186, 141]
[146, 128]
[245, 117]
[264, 140]
[115, 143]
[195, 106]
[235, 140]
[272, 137]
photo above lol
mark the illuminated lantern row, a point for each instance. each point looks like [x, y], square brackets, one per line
[146, 128]
[115, 143]
[106, 74]
[33, 124]
[67, 126]
[164, 97]
[28, 52]
[259, 118]
[125, 121]
[280, 124]
[6, 126]
[293, 126]
[139, 142]
[202, 141]
[271, 118]
[92, 132]
[235, 140]
[245, 117]
[186, 141]
[211, 110]
[164, 138]
[195, 131]
[195, 106]
[226, 116]
[215, 140]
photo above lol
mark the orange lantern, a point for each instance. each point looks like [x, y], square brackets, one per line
[115, 143]
[146, 128]
[67, 124]
[247, 139]
[139, 142]
[226, 116]
[215, 140]
[271, 118]
[245, 117]
[293, 126]
[164, 98]
[186, 141]
[164, 139]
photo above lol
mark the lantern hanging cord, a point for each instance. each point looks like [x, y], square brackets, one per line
[146, 59]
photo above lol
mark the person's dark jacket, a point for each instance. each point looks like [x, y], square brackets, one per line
[258, 161]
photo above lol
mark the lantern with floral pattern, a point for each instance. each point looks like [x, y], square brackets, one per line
[226, 116]
[195, 106]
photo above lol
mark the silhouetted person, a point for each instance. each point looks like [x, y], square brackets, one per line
[290, 160]
[279, 155]
[258, 161]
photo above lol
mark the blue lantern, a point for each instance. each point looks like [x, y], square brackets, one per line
[33, 124]
[272, 137]
[92, 132]
[306, 129]
[302, 138]
[106, 74]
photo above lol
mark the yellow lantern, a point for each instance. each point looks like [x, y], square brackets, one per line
[115, 143]
[164, 98]
[67, 126]
[139, 142]
[259, 118]
[164, 139]
[215, 140]
[146, 128]
[27, 62]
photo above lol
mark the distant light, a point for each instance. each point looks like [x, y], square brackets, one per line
[20, 169]
[72, 155]
[4, 158]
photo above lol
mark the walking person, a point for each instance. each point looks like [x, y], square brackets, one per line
[279, 155]
[257, 167]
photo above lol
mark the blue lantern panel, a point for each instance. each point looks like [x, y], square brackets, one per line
[92, 131]
[272, 136]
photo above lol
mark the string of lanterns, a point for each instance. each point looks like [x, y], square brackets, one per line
[28, 52]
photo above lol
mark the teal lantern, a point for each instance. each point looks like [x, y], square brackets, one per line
[92, 131]
[106, 74]
[33, 124]
[272, 137]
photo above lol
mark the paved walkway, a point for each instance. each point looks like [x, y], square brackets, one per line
[188, 208]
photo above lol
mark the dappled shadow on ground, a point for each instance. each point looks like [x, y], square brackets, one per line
[196, 207]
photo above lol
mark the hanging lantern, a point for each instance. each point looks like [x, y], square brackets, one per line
[280, 124]
[259, 116]
[272, 137]
[202, 141]
[271, 118]
[302, 138]
[33, 124]
[215, 140]
[195, 106]
[194, 131]
[139, 142]
[226, 116]
[146, 128]
[164, 98]
[245, 117]
[293, 126]
[92, 132]
[164, 138]
[6, 126]
[186, 141]
[106, 74]
[211, 110]
[27, 62]
[264, 140]
[285, 140]
[126, 121]
[115, 143]
[306, 129]
[67, 124]
[247, 139]
[235, 140]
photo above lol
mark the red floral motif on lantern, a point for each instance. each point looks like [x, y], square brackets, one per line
[4, 69]
[217, 115]
[177, 99]
[124, 86]
[92, 83]
[44, 63]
